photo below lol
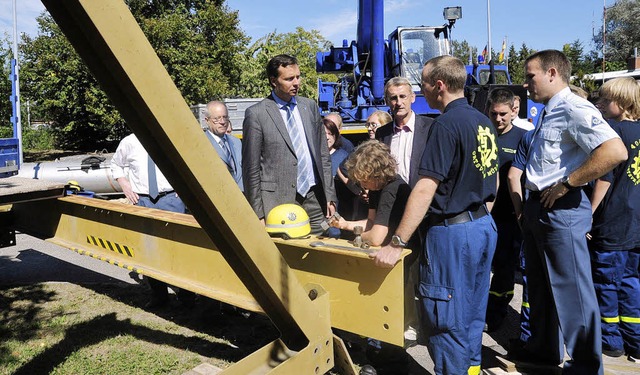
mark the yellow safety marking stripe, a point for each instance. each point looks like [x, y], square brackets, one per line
[615, 319]
[510, 292]
[630, 319]
[110, 261]
[473, 370]
[111, 246]
[526, 304]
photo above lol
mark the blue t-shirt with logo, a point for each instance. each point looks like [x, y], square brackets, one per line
[617, 219]
[507, 146]
[461, 153]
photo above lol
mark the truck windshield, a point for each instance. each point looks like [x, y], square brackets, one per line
[501, 77]
[417, 45]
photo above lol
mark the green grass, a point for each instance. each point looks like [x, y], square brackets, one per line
[62, 328]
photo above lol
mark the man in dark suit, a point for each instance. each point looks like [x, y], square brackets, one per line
[407, 134]
[284, 149]
[227, 146]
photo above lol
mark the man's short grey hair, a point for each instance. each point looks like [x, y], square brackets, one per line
[395, 82]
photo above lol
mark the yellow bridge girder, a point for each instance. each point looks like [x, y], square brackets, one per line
[108, 39]
[363, 299]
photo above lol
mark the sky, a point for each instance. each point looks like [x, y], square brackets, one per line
[541, 24]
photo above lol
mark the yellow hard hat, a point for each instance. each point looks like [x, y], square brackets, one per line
[74, 185]
[289, 221]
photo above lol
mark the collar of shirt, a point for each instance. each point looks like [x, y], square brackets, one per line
[455, 103]
[556, 99]
[217, 139]
[281, 103]
[408, 127]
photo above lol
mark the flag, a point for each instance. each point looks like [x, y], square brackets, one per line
[504, 47]
[484, 54]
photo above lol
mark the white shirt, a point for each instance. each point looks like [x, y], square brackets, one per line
[571, 129]
[522, 123]
[402, 146]
[131, 161]
[296, 115]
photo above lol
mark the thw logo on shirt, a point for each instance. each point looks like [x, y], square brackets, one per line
[485, 157]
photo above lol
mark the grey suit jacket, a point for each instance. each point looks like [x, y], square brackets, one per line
[269, 162]
[235, 147]
[423, 124]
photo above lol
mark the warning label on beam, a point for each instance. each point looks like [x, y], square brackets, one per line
[112, 246]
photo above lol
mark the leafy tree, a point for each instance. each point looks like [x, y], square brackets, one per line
[461, 51]
[302, 44]
[198, 41]
[516, 62]
[622, 33]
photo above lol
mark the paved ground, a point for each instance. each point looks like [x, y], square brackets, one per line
[32, 260]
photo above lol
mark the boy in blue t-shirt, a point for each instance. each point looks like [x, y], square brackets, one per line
[501, 110]
[615, 239]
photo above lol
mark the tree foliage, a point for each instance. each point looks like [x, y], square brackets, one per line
[198, 42]
[302, 44]
[622, 33]
[462, 50]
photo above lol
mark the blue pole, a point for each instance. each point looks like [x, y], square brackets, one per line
[377, 50]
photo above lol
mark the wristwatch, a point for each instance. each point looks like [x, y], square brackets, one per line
[565, 182]
[397, 241]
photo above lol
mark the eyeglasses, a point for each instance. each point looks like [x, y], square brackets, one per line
[373, 125]
[219, 119]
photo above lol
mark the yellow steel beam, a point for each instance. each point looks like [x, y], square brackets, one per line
[364, 299]
[107, 37]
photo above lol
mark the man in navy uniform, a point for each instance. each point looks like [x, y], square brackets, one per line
[458, 176]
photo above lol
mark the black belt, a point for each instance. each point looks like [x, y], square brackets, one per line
[464, 217]
[160, 194]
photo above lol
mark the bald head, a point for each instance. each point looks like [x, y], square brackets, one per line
[217, 117]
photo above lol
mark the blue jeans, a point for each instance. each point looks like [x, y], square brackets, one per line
[455, 270]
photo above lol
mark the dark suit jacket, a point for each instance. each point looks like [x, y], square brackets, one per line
[269, 162]
[423, 123]
[235, 147]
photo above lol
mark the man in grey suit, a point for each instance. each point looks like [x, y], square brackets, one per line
[407, 134]
[284, 149]
[227, 146]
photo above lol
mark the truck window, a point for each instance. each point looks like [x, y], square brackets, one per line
[417, 45]
[501, 77]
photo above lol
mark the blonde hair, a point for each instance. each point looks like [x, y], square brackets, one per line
[383, 117]
[371, 161]
[625, 92]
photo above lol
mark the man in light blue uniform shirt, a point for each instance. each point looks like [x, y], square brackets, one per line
[572, 146]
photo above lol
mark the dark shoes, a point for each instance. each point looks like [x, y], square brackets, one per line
[367, 370]
[518, 353]
[615, 353]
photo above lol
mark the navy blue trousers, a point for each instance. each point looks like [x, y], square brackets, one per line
[455, 269]
[615, 275]
[564, 308]
[505, 261]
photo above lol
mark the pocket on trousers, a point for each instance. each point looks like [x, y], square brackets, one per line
[437, 308]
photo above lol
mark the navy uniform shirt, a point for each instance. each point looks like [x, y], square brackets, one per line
[617, 219]
[507, 147]
[461, 153]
